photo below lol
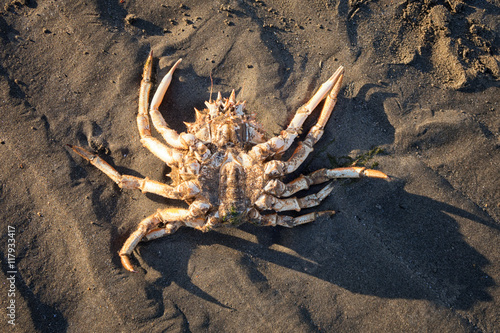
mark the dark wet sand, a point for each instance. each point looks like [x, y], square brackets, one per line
[418, 253]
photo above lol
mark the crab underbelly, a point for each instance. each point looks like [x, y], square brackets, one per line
[233, 200]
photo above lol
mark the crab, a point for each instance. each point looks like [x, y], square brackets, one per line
[225, 168]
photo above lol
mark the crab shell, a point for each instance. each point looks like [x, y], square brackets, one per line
[227, 175]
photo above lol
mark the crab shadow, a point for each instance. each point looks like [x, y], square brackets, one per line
[411, 249]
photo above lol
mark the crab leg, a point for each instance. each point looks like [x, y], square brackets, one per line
[183, 191]
[267, 201]
[282, 142]
[146, 84]
[277, 168]
[168, 155]
[285, 220]
[280, 189]
[175, 140]
[148, 229]
[170, 216]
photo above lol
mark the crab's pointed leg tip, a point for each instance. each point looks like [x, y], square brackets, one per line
[174, 66]
[375, 174]
[338, 75]
[126, 264]
[327, 213]
[82, 152]
[72, 147]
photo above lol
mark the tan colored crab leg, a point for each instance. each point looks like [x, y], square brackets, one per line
[182, 141]
[183, 191]
[280, 189]
[285, 220]
[267, 201]
[199, 224]
[170, 216]
[144, 90]
[277, 168]
[282, 142]
[147, 229]
[168, 155]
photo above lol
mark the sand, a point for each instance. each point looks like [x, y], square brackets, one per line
[417, 253]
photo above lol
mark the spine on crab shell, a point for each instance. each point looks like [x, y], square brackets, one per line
[213, 109]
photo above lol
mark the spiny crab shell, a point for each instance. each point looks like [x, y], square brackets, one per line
[224, 170]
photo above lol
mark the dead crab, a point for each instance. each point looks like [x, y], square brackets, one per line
[224, 168]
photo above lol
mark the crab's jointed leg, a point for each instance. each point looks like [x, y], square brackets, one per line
[268, 201]
[280, 189]
[168, 155]
[282, 142]
[276, 168]
[148, 229]
[172, 217]
[182, 141]
[285, 220]
[183, 191]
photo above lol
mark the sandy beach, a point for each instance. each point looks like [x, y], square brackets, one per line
[417, 253]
